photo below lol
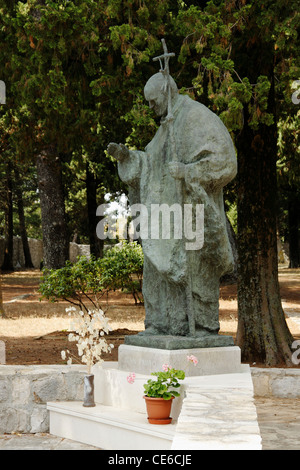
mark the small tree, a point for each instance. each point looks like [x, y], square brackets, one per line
[78, 283]
[88, 330]
[122, 268]
[87, 281]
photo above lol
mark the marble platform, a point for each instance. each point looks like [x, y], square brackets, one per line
[215, 411]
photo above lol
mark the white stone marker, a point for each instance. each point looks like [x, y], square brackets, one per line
[2, 353]
[2, 92]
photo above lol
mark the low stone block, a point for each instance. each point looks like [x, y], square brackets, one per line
[5, 389]
[20, 390]
[211, 361]
[39, 420]
[2, 353]
[286, 387]
[13, 420]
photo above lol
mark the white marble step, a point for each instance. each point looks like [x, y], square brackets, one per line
[219, 419]
[217, 412]
[108, 428]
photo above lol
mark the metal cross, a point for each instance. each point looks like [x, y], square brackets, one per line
[169, 119]
[166, 56]
[165, 71]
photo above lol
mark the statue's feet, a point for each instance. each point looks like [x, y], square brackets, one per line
[151, 331]
[205, 333]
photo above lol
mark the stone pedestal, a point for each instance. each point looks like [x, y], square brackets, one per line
[179, 342]
[211, 361]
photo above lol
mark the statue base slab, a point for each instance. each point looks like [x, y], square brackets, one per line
[211, 361]
[179, 342]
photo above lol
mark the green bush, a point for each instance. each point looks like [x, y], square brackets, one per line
[88, 280]
[122, 268]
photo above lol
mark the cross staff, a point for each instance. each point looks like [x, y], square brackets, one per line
[165, 71]
[166, 55]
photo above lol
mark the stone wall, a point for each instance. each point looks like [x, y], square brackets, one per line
[281, 383]
[36, 251]
[25, 390]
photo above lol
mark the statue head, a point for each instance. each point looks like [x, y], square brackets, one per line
[156, 92]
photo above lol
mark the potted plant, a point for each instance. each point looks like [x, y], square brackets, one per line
[89, 327]
[160, 393]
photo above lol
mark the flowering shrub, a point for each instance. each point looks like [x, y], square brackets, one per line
[166, 381]
[131, 378]
[89, 328]
[192, 359]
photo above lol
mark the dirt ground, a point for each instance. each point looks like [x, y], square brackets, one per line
[35, 331]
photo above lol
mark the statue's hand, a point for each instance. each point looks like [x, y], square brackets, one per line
[177, 170]
[118, 151]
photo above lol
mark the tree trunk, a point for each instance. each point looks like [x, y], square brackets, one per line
[96, 245]
[262, 335]
[8, 264]
[231, 278]
[55, 241]
[18, 191]
[293, 220]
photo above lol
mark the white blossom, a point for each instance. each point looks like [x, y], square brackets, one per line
[70, 309]
[88, 330]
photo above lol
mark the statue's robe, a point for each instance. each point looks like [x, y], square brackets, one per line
[200, 141]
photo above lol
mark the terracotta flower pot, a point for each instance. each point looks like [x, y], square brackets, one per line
[158, 410]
